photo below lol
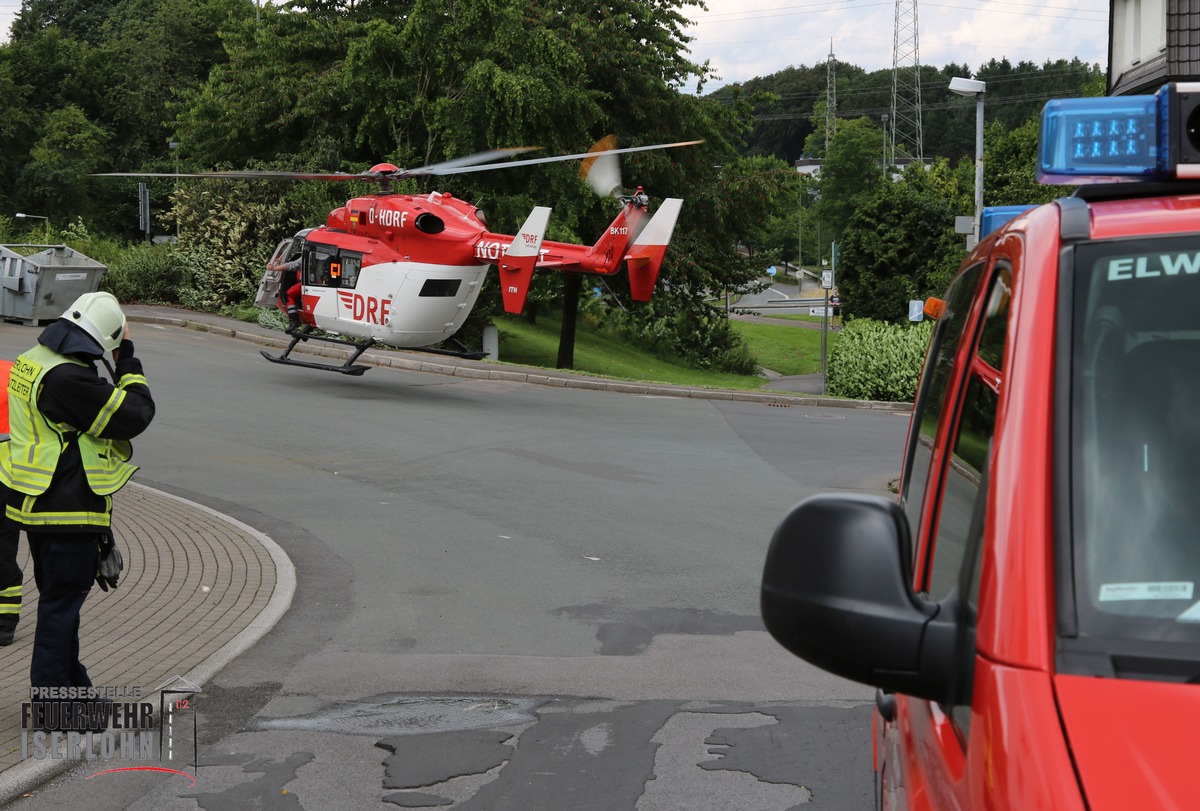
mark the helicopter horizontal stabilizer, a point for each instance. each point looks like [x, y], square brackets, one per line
[519, 260]
[646, 255]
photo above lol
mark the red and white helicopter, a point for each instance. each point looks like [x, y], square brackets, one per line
[405, 270]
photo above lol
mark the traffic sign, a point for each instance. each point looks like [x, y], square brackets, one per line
[916, 310]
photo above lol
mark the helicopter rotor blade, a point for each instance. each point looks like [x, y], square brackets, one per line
[582, 155]
[469, 163]
[456, 165]
[248, 175]
[444, 167]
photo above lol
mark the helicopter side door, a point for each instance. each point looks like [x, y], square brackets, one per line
[272, 281]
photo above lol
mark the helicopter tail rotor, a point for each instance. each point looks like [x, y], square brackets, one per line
[602, 172]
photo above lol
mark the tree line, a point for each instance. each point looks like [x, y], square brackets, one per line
[97, 86]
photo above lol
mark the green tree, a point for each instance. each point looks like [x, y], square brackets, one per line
[17, 131]
[140, 80]
[769, 190]
[1010, 167]
[70, 148]
[900, 244]
[81, 20]
[278, 99]
[851, 174]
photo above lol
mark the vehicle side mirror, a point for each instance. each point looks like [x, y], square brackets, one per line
[837, 592]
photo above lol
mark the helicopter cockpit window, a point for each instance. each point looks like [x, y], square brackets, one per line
[347, 274]
[332, 269]
[316, 269]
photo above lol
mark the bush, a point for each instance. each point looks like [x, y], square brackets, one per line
[214, 280]
[77, 236]
[146, 274]
[876, 361]
[679, 330]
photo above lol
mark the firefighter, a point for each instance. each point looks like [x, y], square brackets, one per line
[68, 453]
[11, 576]
[292, 293]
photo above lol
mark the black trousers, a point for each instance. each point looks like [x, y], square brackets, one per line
[11, 576]
[64, 568]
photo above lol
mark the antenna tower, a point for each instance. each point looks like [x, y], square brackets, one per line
[906, 83]
[830, 98]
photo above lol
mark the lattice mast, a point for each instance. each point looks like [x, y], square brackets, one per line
[830, 98]
[906, 83]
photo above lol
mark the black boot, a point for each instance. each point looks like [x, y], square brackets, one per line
[293, 320]
[8, 629]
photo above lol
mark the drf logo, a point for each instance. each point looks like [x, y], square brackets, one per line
[367, 309]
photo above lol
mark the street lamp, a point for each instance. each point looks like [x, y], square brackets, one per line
[22, 216]
[976, 88]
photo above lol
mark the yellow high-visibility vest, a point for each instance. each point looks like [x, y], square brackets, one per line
[29, 459]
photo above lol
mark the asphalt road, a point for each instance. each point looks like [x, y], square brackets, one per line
[509, 596]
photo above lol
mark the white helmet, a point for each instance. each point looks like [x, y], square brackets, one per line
[100, 316]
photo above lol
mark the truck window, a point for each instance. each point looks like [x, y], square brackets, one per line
[953, 557]
[961, 493]
[1135, 445]
[936, 378]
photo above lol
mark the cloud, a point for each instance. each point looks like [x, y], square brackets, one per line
[744, 39]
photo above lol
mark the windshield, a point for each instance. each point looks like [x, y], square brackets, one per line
[1135, 439]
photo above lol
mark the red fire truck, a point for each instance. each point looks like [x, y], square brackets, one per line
[1028, 608]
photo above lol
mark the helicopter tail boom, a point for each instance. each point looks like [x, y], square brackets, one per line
[646, 255]
[631, 238]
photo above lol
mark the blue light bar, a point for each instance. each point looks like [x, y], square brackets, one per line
[1103, 140]
[993, 217]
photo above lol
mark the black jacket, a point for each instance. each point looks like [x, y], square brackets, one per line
[75, 395]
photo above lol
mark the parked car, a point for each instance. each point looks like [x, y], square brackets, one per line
[1028, 607]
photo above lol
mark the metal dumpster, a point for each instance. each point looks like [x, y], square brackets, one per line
[39, 287]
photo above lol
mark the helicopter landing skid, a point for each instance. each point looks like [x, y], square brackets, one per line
[304, 334]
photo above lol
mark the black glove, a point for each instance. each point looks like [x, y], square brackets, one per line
[108, 570]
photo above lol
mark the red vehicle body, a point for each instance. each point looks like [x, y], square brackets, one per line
[1027, 607]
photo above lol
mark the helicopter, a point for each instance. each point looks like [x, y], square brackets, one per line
[406, 270]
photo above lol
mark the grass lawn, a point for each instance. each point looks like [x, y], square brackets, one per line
[783, 349]
[787, 350]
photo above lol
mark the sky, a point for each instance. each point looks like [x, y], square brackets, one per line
[745, 39]
[749, 38]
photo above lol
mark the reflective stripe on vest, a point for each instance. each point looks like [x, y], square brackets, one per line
[27, 515]
[32, 456]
